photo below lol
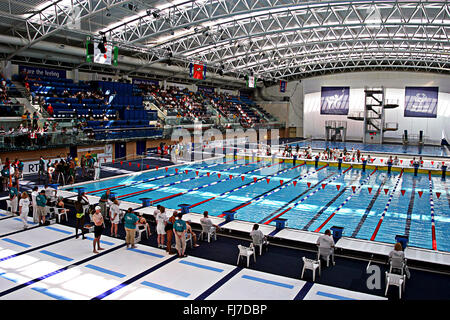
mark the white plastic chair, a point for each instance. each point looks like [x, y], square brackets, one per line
[398, 280]
[9, 206]
[313, 265]
[189, 239]
[208, 231]
[60, 212]
[139, 232]
[246, 252]
[326, 253]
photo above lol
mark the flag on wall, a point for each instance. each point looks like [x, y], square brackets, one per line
[197, 71]
[421, 102]
[251, 82]
[283, 86]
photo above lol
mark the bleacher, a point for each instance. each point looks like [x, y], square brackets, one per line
[107, 106]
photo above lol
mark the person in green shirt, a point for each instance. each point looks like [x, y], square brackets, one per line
[130, 221]
[179, 230]
[14, 197]
[103, 201]
[41, 201]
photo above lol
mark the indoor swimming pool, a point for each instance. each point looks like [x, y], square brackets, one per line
[412, 150]
[370, 205]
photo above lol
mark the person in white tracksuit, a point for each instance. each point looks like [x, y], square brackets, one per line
[34, 194]
[24, 208]
[97, 170]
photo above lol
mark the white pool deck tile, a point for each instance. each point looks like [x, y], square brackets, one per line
[322, 292]
[255, 285]
[94, 277]
[181, 279]
[38, 263]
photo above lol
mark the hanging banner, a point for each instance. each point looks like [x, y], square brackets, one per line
[421, 102]
[148, 82]
[42, 72]
[334, 100]
[209, 90]
[283, 86]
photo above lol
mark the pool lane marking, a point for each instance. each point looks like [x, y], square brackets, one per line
[209, 185]
[267, 193]
[180, 181]
[377, 228]
[433, 224]
[121, 186]
[369, 207]
[325, 207]
[410, 209]
[17, 243]
[346, 200]
[274, 215]
[237, 188]
[60, 270]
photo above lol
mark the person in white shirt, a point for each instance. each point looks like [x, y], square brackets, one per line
[34, 194]
[97, 170]
[24, 207]
[49, 192]
[207, 221]
[326, 243]
[114, 213]
[258, 236]
[161, 220]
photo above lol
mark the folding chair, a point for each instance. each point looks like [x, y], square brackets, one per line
[9, 206]
[139, 232]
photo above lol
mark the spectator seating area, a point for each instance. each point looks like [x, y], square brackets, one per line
[8, 104]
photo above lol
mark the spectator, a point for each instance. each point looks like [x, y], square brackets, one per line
[397, 252]
[207, 221]
[143, 222]
[114, 212]
[161, 221]
[326, 243]
[34, 195]
[97, 218]
[41, 201]
[179, 230]
[24, 207]
[79, 214]
[104, 200]
[169, 231]
[5, 177]
[257, 236]
[193, 235]
[14, 197]
[130, 220]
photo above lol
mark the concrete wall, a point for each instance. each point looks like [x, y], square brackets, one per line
[395, 83]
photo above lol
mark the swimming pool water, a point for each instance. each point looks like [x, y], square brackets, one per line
[321, 198]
